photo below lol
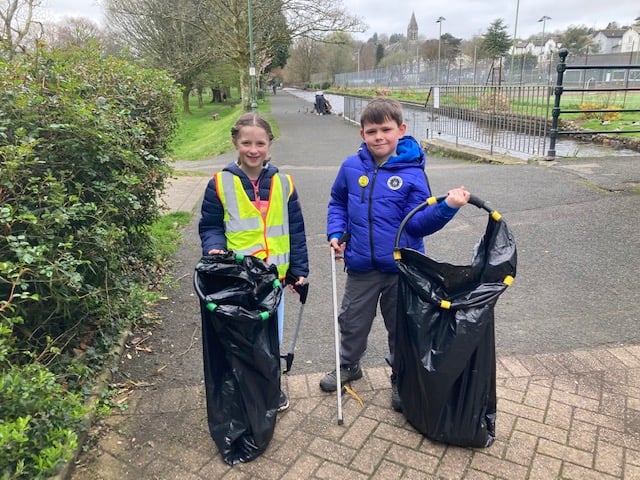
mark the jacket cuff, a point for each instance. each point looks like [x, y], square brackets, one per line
[446, 210]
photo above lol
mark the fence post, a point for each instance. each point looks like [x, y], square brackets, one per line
[555, 113]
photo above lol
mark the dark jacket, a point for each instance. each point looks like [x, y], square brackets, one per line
[211, 226]
[370, 202]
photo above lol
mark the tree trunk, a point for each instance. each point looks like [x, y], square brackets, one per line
[185, 101]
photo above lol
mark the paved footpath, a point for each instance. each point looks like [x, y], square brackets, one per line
[568, 406]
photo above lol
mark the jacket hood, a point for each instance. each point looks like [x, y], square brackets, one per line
[268, 170]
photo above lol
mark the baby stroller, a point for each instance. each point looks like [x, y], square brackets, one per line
[445, 345]
[239, 297]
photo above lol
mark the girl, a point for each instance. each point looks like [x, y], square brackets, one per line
[251, 208]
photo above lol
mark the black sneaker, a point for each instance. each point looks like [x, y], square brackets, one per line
[283, 402]
[396, 402]
[347, 374]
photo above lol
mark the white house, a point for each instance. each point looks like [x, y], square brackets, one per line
[631, 40]
[609, 41]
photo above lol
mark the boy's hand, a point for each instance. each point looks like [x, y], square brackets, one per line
[338, 248]
[457, 197]
[339, 245]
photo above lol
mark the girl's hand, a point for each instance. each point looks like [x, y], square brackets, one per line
[216, 251]
[299, 281]
[457, 197]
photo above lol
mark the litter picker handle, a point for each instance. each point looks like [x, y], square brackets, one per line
[303, 290]
[345, 237]
[473, 200]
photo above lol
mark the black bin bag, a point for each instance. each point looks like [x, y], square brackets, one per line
[445, 345]
[239, 297]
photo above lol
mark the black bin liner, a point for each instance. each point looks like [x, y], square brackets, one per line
[239, 297]
[445, 345]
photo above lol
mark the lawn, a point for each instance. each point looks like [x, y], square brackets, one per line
[200, 136]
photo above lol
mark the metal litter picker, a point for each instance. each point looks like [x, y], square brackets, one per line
[303, 292]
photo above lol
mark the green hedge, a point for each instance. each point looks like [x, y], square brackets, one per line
[82, 145]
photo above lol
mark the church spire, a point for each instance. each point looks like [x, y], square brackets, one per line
[412, 29]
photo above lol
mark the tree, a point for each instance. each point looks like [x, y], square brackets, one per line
[163, 40]
[16, 17]
[429, 49]
[74, 31]
[302, 62]
[224, 26]
[496, 41]
[379, 53]
[578, 39]
[452, 49]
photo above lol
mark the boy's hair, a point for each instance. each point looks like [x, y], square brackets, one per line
[251, 120]
[380, 110]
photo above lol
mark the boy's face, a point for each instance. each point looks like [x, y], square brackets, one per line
[382, 138]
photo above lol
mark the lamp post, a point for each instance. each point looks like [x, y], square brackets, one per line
[252, 68]
[515, 41]
[544, 24]
[439, 21]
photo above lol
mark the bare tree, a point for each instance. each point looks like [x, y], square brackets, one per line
[17, 18]
[224, 25]
[76, 31]
[159, 33]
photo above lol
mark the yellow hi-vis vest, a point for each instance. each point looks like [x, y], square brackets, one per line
[246, 230]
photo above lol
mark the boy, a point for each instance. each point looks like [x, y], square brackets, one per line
[371, 195]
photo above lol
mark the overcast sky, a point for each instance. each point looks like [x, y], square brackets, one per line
[464, 18]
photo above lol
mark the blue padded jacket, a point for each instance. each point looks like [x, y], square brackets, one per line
[370, 201]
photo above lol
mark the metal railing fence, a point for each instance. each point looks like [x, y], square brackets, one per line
[603, 78]
[504, 119]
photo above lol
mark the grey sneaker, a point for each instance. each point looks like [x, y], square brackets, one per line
[347, 374]
[283, 402]
[396, 402]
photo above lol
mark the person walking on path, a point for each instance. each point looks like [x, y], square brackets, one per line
[251, 208]
[372, 193]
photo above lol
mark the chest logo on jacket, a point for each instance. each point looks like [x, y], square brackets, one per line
[394, 183]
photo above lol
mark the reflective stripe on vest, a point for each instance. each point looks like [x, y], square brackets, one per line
[247, 232]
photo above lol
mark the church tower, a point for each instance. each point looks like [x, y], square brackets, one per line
[412, 29]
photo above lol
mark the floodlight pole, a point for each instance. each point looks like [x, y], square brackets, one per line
[439, 21]
[544, 24]
[515, 42]
[252, 68]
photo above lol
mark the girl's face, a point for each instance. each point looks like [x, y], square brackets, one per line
[252, 144]
[382, 138]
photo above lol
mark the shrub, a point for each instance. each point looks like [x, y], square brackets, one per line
[82, 146]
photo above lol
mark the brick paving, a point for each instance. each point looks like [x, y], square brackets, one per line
[572, 415]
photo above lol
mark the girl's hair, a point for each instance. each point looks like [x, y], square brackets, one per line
[251, 120]
[380, 110]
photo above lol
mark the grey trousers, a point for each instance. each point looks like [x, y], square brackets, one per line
[362, 293]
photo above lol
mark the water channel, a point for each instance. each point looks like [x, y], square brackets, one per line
[419, 126]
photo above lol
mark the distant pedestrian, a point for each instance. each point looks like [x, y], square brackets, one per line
[374, 191]
[321, 103]
[253, 209]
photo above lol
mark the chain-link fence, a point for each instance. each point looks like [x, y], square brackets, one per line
[519, 70]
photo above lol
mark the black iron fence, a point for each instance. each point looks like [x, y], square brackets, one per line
[600, 79]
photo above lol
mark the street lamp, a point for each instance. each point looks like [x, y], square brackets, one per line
[544, 24]
[252, 68]
[439, 21]
[515, 41]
